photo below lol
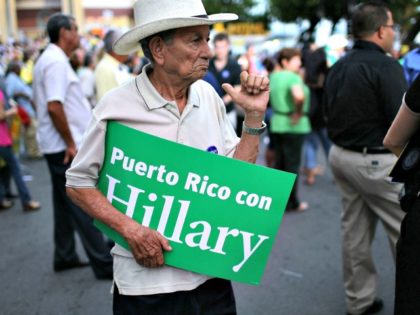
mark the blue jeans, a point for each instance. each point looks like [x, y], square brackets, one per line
[7, 154]
[311, 145]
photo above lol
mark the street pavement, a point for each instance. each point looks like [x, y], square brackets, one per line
[303, 275]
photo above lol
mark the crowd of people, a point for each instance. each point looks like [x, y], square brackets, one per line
[341, 99]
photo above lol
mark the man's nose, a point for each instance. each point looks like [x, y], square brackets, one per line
[207, 51]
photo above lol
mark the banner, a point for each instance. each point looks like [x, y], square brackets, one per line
[220, 215]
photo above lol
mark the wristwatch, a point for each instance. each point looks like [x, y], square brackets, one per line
[254, 131]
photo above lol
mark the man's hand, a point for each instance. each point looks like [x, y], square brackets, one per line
[69, 154]
[146, 245]
[253, 95]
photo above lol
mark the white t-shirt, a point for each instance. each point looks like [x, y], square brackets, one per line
[87, 81]
[137, 104]
[55, 80]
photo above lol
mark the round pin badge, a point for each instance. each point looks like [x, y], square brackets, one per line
[225, 74]
[212, 149]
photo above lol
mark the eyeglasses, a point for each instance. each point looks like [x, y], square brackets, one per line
[395, 27]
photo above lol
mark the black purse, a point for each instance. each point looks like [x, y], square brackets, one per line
[407, 171]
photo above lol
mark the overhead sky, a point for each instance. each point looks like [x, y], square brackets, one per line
[260, 8]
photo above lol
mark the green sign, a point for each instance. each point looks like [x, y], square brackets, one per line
[220, 215]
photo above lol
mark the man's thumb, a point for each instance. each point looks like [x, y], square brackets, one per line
[164, 243]
[229, 89]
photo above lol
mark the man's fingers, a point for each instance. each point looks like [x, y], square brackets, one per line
[66, 158]
[159, 260]
[265, 84]
[148, 249]
[164, 243]
[244, 77]
[254, 84]
[251, 84]
[259, 79]
[149, 258]
[229, 89]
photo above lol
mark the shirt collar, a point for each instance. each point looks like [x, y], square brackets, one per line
[57, 49]
[367, 45]
[152, 97]
[111, 59]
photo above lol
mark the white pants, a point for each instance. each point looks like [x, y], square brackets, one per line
[367, 195]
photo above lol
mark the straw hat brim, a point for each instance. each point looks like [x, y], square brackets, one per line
[129, 41]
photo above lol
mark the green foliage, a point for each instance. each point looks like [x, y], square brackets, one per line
[240, 7]
[290, 11]
[404, 11]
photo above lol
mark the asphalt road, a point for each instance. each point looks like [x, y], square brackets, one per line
[303, 275]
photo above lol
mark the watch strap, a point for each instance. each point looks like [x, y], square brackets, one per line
[254, 131]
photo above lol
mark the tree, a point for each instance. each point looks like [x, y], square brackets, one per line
[240, 7]
[405, 13]
[312, 10]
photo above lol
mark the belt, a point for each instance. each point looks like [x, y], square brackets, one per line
[368, 150]
[286, 113]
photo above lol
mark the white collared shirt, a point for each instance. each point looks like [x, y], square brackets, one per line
[203, 124]
[55, 80]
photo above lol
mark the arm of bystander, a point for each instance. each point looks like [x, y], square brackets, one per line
[407, 121]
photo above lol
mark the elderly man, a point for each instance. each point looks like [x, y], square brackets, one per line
[111, 70]
[168, 100]
[363, 93]
[63, 114]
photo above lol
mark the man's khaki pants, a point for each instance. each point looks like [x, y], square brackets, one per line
[367, 195]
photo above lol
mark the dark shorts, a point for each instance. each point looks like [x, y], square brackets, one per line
[213, 297]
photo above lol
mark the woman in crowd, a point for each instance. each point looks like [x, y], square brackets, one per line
[407, 282]
[315, 63]
[289, 99]
[7, 155]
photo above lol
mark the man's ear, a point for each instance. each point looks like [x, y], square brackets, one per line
[380, 32]
[157, 47]
[61, 33]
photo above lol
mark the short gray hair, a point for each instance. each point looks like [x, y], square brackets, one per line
[110, 37]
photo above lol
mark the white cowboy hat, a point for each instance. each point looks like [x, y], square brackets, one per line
[154, 16]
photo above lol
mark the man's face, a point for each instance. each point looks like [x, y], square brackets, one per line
[71, 36]
[221, 49]
[187, 55]
[389, 34]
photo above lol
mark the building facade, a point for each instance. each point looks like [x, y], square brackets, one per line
[28, 18]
